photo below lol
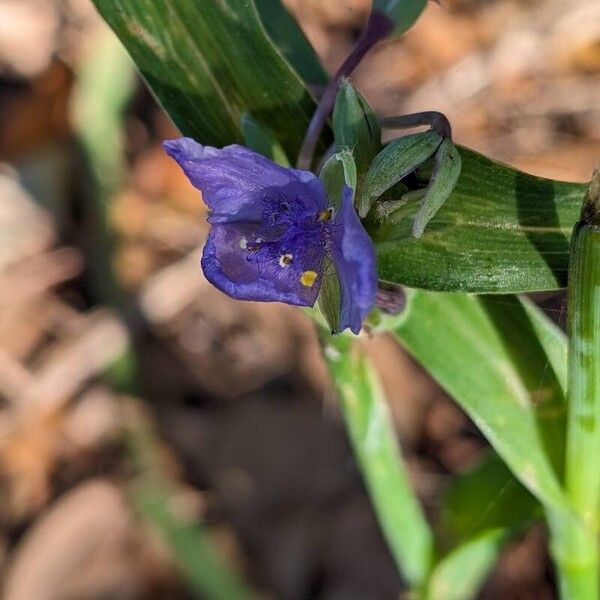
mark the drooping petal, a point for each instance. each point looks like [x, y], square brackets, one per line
[232, 262]
[234, 180]
[354, 259]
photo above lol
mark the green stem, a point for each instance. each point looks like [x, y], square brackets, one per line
[581, 551]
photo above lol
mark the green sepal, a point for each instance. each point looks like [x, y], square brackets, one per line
[339, 171]
[356, 128]
[446, 171]
[399, 158]
[257, 138]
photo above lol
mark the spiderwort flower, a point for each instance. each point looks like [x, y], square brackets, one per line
[274, 231]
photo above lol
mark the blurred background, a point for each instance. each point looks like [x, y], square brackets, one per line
[159, 440]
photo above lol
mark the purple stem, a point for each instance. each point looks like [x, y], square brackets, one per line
[378, 27]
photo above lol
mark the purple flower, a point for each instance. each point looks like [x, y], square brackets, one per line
[274, 231]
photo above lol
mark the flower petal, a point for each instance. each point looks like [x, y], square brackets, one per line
[235, 180]
[229, 264]
[354, 259]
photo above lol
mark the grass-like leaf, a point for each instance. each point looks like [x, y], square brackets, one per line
[484, 498]
[486, 356]
[209, 62]
[459, 575]
[291, 41]
[372, 435]
[500, 231]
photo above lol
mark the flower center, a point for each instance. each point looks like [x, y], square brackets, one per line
[292, 238]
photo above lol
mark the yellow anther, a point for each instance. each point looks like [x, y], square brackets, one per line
[325, 215]
[243, 243]
[308, 278]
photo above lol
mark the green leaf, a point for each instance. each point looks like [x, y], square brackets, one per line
[553, 340]
[486, 497]
[338, 171]
[459, 575]
[373, 439]
[399, 158]
[104, 86]
[575, 544]
[209, 62]
[403, 13]
[194, 551]
[482, 351]
[500, 231]
[355, 127]
[260, 140]
[443, 179]
[291, 41]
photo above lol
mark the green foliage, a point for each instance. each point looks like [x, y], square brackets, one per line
[337, 172]
[500, 231]
[483, 354]
[444, 176]
[210, 62]
[373, 439]
[459, 575]
[291, 41]
[193, 550]
[399, 158]
[105, 84]
[403, 13]
[487, 497]
[576, 546]
[257, 138]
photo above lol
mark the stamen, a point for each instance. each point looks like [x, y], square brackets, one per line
[308, 278]
[243, 243]
[255, 245]
[285, 260]
[325, 215]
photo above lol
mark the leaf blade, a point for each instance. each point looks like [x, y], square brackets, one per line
[183, 50]
[460, 573]
[291, 41]
[500, 231]
[378, 454]
[457, 340]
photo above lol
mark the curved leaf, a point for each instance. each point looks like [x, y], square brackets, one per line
[459, 575]
[373, 438]
[484, 353]
[209, 62]
[290, 39]
[500, 231]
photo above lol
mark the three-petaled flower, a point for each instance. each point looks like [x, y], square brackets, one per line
[274, 231]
